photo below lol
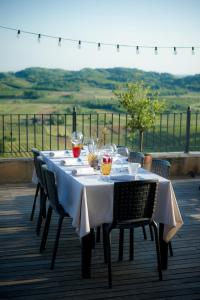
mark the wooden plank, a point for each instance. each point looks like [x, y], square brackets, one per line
[25, 273]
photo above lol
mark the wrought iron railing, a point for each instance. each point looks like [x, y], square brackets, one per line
[21, 132]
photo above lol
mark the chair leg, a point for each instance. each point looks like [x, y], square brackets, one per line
[144, 232]
[108, 241]
[56, 242]
[98, 234]
[41, 212]
[34, 202]
[157, 249]
[151, 232]
[131, 246]
[46, 229]
[104, 244]
[121, 244]
[170, 249]
[40, 217]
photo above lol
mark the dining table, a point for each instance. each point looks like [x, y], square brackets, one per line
[87, 197]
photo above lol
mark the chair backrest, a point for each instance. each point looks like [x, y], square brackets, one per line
[134, 200]
[136, 157]
[38, 166]
[36, 153]
[161, 167]
[123, 151]
[51, 188]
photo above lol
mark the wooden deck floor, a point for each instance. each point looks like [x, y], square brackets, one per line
[25, 273]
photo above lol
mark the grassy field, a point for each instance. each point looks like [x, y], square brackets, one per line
[21, 135]
[86, 100]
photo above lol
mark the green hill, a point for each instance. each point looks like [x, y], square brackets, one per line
[61, 80]
[91, 89]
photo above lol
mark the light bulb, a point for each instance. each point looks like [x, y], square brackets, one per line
[193, 52]
[18, 33]
[175, 51]
[79, 44]
[118, 48]
[156, 50]
[59, 42]
[99, 46]
[137, 50]
[39, 37]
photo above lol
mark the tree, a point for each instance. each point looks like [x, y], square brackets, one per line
[142, 104]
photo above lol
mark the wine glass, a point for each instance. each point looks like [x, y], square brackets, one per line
[77, 138]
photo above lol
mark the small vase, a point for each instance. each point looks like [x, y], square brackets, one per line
[147, 161]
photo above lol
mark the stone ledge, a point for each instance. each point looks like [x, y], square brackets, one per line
[16, 170]
[182, 164]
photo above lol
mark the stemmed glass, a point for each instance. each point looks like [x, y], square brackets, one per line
[92, 153]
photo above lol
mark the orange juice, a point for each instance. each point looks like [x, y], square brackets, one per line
[106, 164]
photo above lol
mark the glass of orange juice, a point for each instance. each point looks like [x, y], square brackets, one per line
[106, 165]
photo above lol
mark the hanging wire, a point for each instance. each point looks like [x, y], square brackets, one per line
[138, 47]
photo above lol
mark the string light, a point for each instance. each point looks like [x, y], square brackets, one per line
[79, 44]
[175, 51]
[193, 52]
[39, 37]
[59, 42]
[99, 45]
[18, 33]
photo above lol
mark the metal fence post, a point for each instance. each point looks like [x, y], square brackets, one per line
[187, 136]
[74, 119]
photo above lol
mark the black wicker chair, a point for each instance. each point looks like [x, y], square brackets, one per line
[137, 157]
[43, 193]
[162, 167]
[133, 206]
[36, 153]
[53, 205]
[124, 152]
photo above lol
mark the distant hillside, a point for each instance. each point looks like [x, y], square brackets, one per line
[42, 79]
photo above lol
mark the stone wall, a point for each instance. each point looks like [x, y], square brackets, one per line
[20, 170]
[16, 170]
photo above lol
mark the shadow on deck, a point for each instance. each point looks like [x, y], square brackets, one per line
[25, 273]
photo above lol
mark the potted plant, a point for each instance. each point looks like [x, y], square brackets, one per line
[142, 104]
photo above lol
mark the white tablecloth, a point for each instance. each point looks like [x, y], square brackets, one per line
[89, 199]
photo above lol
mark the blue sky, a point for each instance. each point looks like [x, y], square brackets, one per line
[142, 22]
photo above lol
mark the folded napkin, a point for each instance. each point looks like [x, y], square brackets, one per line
[59, 153]
[71, 162]
[83, 171]
[122, 177]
